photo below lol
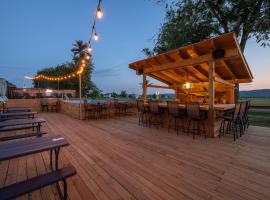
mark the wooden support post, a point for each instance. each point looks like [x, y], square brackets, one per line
[211, 100]
[176, 93]
[144, 88]
[80, 94]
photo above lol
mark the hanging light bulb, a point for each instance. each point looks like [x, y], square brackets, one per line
[187, 85]
[89, 49]
[95, 37]
[87, 57]
[99, 13]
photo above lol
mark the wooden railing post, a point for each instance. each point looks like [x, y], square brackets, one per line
[144, 88]
[211, 100]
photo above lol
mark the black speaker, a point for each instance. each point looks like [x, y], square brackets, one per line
[218, 53]
[140, 71]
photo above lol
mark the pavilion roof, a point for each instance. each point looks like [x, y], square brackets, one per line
[173, 67]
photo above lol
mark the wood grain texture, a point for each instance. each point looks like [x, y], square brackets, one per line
[117, 159]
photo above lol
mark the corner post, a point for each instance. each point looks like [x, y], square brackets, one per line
[80, 94]
[211, 100]
[144, 88]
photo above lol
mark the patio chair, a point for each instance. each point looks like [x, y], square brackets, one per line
[120, 108]
[44, 104]
[144, 113]
[176, 114]
[155, 114]
[231, 123]
[246, 119]
[197, 117]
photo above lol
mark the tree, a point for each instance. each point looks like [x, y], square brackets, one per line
[114, 95]
[123, 94]
[190, 21]
[68, 67]
[80, 48]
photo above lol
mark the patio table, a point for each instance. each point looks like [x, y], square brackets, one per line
[17, 109]
[9, 115]
[23, 148]
[19, 122]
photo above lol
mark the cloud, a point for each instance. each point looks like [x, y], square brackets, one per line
[106, 72]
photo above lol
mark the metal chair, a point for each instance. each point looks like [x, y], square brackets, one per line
[231, 123]
[155, 114]
[195, 115]
[246, 119]
[144, 112]
[176, 115]
[44, 104]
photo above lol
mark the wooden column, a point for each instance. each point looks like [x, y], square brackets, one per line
[176, 93]
[211, 100]
[80, 94]
[144, 88]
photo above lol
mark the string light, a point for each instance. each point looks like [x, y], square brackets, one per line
[81, 64]
[89, 49]
[99, 13]
[96, 37]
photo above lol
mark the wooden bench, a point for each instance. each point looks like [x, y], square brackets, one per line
[20, 123]
[16, 128]
[30, 185]
[14, 137]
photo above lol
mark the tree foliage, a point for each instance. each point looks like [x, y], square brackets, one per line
[89, 89]
[190, 21]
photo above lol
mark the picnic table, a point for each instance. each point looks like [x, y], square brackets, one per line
[17, 109]
[17, 149]
[12, 115]
[20, 122]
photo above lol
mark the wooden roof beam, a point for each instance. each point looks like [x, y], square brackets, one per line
[170, 76]
[194, 53]
[157, 77]
[159, 86]
[223, 62]
[230, 53]
[220, 80]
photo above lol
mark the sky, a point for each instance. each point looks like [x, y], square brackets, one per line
[35, 34]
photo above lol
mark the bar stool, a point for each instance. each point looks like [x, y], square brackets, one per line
[144, 112]
[155, 114]
[195, 115]
[176, 115]
[231, 122]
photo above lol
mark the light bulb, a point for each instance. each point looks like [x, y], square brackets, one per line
[87, 57]
[89, 49]
[99, 13]
[96, 37]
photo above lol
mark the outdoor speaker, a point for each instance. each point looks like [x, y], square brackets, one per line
[140, 71]
[218, 53]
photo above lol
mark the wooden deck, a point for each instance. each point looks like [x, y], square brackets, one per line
[117, 159]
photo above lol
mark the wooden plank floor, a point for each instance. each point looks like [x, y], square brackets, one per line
[117, 159]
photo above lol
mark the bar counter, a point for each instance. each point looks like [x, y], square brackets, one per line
[212, 127]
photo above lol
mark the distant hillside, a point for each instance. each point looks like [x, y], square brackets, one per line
[255, 93]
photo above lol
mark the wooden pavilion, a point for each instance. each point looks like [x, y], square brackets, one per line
[206, 71]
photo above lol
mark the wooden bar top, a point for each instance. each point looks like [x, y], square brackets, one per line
[218, 107]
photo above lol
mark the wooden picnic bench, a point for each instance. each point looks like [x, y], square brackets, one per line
[27, 147]
[17, 109]
[19, 124]
[30, 185]
[14, 115]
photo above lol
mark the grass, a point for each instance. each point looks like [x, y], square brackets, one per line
[257, 101]
[259, 118]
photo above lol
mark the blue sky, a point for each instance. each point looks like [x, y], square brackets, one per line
[35, 34]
